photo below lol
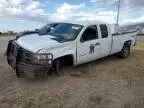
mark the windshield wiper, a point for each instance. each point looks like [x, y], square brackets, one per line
[50, 33]
[61, 37]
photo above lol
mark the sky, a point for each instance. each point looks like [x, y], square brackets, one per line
[19, 15]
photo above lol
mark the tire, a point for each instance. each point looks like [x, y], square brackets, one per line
[40, 74]
[56, 67]
[19, 73]
[125, 51]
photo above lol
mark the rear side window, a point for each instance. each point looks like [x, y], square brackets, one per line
[104, 31]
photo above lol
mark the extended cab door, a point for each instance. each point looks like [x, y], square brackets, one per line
[105, 41]
[88, 47]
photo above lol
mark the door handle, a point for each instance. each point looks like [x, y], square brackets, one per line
[97, 44]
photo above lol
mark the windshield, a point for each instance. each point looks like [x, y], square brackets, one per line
[66, 31]
[47, 28]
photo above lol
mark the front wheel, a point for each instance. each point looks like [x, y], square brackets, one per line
[19, 73]
[125, 51]
[56, 67]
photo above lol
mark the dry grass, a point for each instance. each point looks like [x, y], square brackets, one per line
[140, 46]
[107, 83]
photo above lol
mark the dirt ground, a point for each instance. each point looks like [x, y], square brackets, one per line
[107, 83]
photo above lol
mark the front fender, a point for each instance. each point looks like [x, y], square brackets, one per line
[63, 50]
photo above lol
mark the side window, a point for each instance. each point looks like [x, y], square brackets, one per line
[90, 33]
[104, 31]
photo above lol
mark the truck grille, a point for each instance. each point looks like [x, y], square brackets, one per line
[25, 55]
[21, 54]
[12, 49]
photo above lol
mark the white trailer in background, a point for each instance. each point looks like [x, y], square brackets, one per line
[141, 31]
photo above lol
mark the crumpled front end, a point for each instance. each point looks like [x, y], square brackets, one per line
[26, 62]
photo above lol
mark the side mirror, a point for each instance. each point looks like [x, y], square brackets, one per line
[52, 28]
[81, 40]
[48, 30]
[37, 30]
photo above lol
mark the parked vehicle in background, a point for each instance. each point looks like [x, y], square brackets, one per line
[70, 43]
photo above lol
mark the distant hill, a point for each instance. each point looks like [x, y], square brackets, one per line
[132, 27]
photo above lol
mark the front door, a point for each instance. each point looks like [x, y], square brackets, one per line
[89, 46]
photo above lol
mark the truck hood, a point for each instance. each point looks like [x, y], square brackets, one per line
[34, 42]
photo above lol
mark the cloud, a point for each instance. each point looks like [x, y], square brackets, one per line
[67, 11]
[15, 2]
[32, 10]
[104, 1]
[74, 12]
[67, 8]
[133, 3]
[124, 3]
[105, 16]
[130, 10]
[18, 9]
[71, 12]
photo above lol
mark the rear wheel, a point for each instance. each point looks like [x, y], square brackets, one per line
[125, 51]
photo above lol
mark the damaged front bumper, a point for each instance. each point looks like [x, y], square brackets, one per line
[32, 69]
[26, 62]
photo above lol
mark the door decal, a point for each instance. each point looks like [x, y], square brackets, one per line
[92, 46]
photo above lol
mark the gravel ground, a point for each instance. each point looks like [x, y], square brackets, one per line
[106, 83]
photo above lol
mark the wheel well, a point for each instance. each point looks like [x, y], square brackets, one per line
[66, 60]
[128, 43]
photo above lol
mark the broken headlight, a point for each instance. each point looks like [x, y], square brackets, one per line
[44, 56]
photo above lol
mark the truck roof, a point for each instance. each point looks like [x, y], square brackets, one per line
[84, 22]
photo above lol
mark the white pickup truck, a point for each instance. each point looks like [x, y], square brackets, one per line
[70, 42]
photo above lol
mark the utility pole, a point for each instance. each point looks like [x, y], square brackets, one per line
[117, 23]
[118, 12]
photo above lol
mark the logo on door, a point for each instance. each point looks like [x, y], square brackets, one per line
[92, 47]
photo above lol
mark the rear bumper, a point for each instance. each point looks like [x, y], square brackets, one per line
[24, 63]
